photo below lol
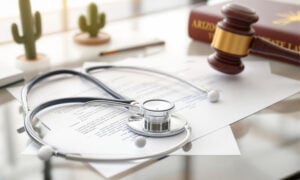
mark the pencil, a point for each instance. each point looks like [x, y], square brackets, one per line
[130, 48]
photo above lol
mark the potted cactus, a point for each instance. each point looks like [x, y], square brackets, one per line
[90, 27]
[32, 30]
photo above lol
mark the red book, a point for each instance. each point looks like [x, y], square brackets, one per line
[278, 22]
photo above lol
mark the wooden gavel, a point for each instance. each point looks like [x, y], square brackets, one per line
[234, 38]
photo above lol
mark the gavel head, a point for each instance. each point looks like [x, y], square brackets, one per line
[232, 39]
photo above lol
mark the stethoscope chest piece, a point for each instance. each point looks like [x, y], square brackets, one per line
[157, 120]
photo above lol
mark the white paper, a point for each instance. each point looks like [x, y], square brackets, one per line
[241, 95]
[220, 142]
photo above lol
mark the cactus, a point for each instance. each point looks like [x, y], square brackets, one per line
[95, 21]
[32, 29]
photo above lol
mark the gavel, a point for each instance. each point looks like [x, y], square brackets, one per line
[234, 38]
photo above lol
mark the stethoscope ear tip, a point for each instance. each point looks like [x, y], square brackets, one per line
[187, 147]
[213, 96]
[45, 153]
[140, 142]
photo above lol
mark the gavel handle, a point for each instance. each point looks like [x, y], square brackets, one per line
[264, 47]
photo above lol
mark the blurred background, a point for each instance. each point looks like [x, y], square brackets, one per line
[62, 15]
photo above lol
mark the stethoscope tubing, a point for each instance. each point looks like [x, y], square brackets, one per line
[82, 157]
[120, 100]
[70, 156]
[37, 79]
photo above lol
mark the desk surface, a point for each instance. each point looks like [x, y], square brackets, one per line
[269, 140]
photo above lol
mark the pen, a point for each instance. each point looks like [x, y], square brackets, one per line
[134, 47]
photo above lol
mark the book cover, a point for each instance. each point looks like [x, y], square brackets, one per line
[278, 22]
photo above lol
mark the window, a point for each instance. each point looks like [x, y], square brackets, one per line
[62, 15]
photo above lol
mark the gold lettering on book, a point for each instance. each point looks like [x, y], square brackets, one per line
[199, 24]
[210, 35]
[284, 44]
[286, 18]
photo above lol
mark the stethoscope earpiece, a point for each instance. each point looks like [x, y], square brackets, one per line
[45, 153]
[140, 142]
[187, 147]
[213, 96]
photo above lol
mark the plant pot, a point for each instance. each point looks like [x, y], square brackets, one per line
[30, 65]
[85, 39]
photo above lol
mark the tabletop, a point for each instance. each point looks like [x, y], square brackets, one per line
[269, 140]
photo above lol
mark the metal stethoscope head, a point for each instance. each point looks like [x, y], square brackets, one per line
[152, 118]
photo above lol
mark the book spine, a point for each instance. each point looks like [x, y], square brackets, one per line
[281, 38]
[201, 27]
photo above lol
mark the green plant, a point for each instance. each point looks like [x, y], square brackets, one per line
[32, 29]
[95, 21]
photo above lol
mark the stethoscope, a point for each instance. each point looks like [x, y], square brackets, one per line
[152, 118]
